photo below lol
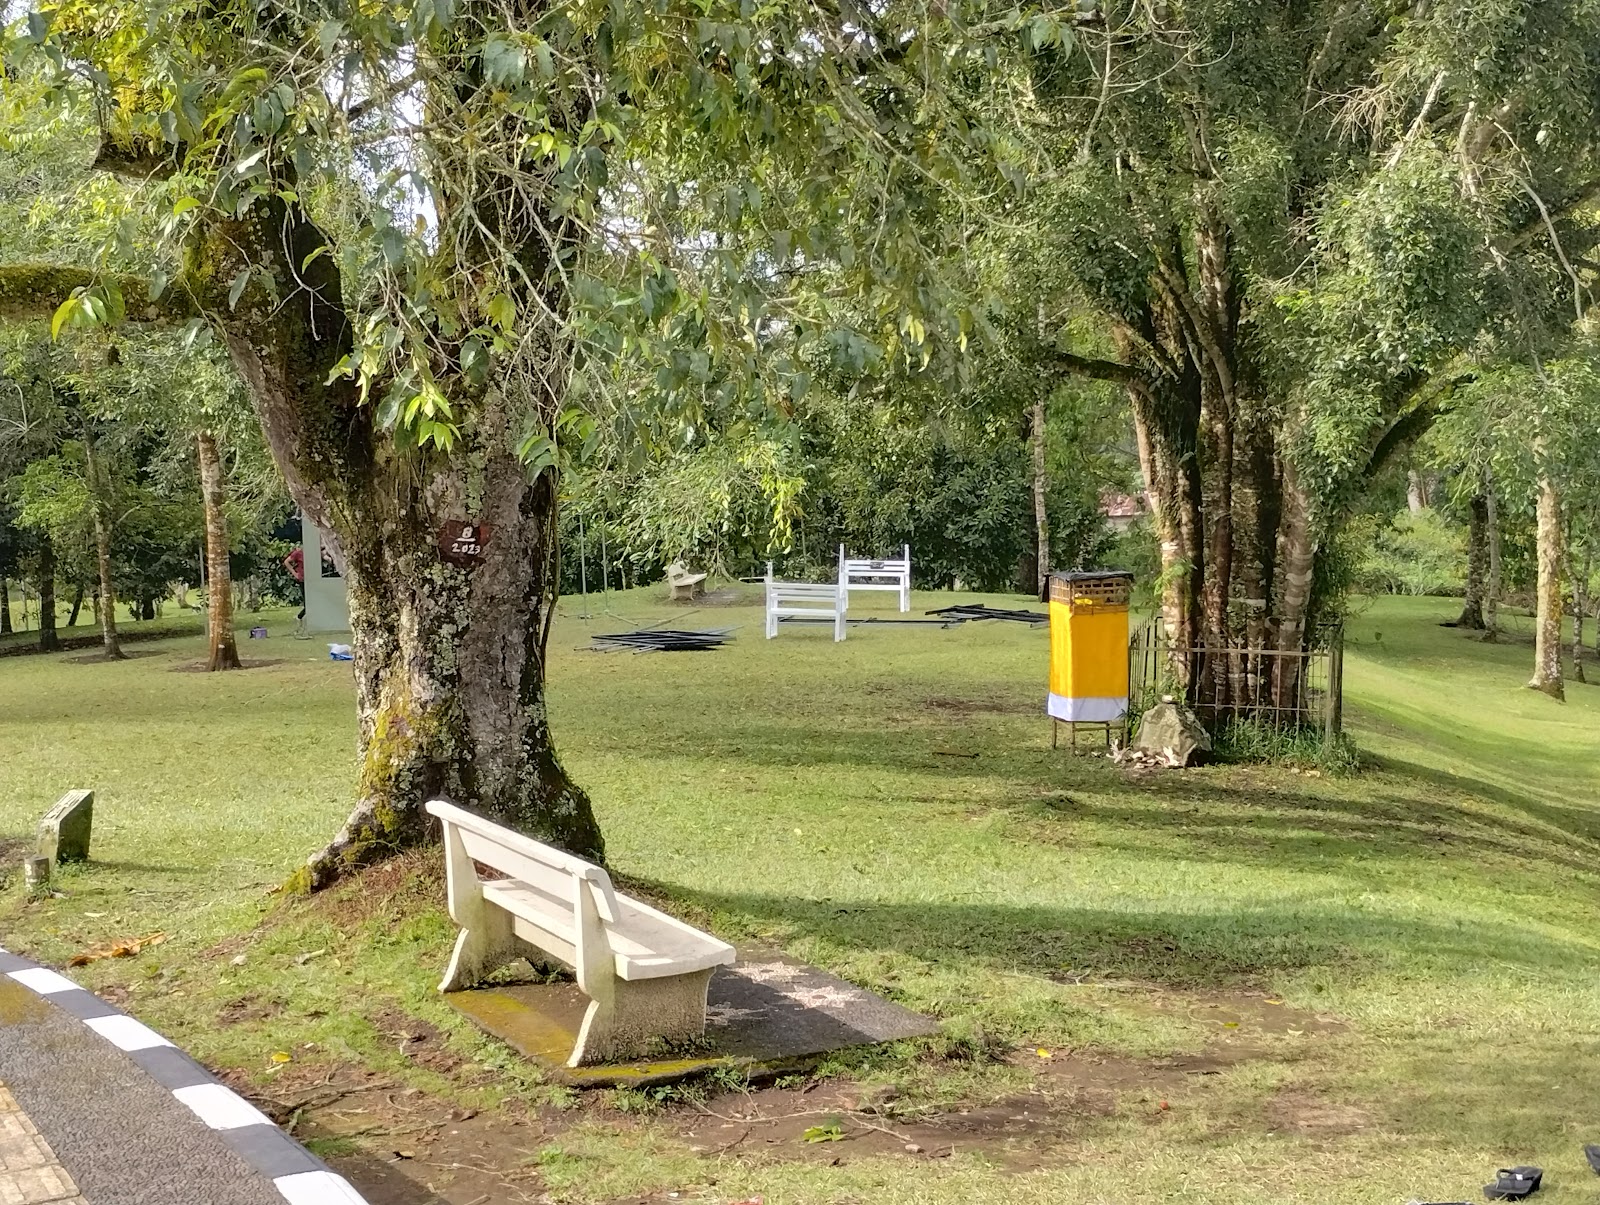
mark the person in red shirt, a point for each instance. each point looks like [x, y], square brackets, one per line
[295, 563]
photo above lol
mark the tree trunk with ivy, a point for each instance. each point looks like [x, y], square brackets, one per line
[224, 652]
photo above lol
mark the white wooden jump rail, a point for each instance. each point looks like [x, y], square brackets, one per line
[645, 973]
[808, 600]
[892, 575]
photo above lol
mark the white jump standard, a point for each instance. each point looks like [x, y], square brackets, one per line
[808, 600]
[645, 973]
[892, 575]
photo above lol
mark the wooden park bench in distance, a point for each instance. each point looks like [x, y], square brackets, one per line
[683, 583]
[645, 973]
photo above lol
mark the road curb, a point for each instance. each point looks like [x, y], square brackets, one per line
[298, 1175]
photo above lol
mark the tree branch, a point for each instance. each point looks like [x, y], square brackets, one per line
[35, 290]
[1099, 370]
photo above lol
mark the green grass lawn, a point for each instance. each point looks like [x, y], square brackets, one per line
[1427, 925]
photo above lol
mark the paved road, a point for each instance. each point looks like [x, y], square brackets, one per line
[97, 1109]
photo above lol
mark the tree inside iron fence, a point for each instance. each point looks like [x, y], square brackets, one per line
[1295, 687]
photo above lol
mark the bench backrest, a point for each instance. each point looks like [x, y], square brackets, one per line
[854, 567]
[677, 571]
[548, 870]
[780, 592]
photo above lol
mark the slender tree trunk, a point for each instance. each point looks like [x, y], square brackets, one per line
[214, 493]
[1547, 627]
[108, 597]
[1492, 585]
[77, 605]
[102, 549]
[1477, 564]
[1041, 515]
[48, 640]
[5, 607]
[1416, 492]
[1299, 565]
[1580, 609]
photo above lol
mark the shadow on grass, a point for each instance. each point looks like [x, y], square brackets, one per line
[1305, 830]
[1190, 948]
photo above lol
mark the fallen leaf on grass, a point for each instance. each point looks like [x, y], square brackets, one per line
[281, 1056]
[126, 948]
[832, 1132]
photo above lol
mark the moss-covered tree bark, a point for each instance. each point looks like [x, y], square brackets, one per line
[449, 657]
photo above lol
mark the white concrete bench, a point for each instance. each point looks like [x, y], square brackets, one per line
[645, 973]
[807, 600]
[892, 574]
[683, 583]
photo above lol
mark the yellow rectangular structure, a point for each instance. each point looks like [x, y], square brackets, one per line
[1089, 647]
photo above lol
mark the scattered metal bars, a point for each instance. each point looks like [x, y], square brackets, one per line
[967, 613]
[661, 640]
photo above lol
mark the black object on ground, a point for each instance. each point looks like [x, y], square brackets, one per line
[1591, 1152]
[661, 640]
[966, 613]
[1514, 1183]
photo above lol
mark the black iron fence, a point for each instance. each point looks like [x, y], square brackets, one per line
[1293, 688]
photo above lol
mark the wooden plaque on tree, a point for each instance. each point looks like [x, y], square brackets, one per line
[462, 542]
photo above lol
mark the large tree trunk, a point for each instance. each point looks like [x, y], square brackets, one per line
[1166, 432]
[224, 652]
[1477, 564]
[48, 640]
[77, 605]
[1547, 626]
[5, 607]
[449, 658]
[1041, 515]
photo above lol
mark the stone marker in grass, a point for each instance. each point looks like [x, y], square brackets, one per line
[64, 831]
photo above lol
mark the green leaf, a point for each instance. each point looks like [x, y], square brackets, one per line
[183, 205]
[311, 258]
[236, 289]
[65, 312]
[39, 26]
[504, 61]
[501, 311]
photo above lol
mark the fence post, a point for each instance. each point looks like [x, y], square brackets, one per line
[1334, 720]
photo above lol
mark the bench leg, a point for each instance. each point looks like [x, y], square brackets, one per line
[637, 1014]
[486, 946]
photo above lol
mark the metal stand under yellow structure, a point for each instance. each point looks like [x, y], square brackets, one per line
[1089, 653]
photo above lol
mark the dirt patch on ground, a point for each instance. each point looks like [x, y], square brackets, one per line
[248, 1008]
[958, 707]
[423, 1043]
[202, 667]
[400, 1146]
[395, 888]
[1232, 1015]
[1300, 1112]
[100, 658]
